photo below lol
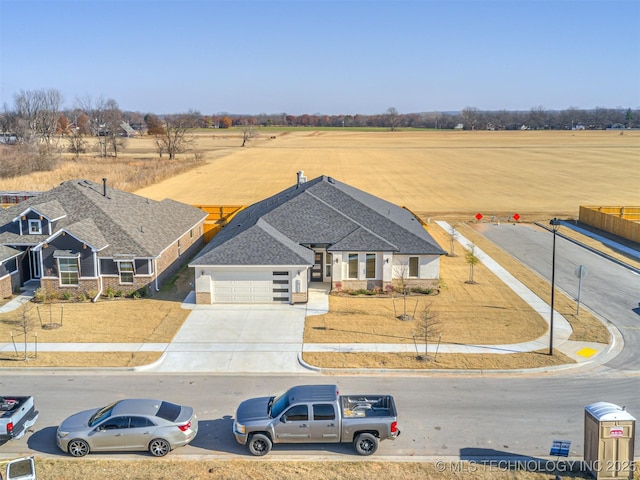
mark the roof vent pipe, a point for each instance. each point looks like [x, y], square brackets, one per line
[301, 178]
[104, 187]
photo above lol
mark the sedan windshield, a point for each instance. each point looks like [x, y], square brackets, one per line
[278, 404]
[101, 414]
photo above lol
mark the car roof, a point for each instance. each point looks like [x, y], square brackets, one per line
[136, 406]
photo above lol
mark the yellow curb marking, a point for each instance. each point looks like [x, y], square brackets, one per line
[586, 352]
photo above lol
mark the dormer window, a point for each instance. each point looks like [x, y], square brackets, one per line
[35, 227]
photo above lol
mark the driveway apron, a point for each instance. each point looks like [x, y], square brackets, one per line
[237, 338]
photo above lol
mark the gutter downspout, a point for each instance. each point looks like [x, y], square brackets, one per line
[96, 264]
[155, 269]
[94, 300]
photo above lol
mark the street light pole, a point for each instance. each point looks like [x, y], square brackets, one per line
[555, 223]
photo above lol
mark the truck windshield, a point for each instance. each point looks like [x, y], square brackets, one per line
[279, 404]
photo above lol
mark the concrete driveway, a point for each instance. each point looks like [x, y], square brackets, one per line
[241, 338]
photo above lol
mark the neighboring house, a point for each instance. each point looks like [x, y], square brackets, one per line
[317, 231]
[85, 237]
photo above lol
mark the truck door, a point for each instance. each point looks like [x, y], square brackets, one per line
[325, 427]
[293, 426]
[20, 469]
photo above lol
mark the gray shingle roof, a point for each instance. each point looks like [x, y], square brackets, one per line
[122, 222]
[320, 211]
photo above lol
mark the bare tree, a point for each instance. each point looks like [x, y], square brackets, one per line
[76, 143]
[104, 122]
[453, 236]
[470, 116]
[175, 136]
[427, 327]
[472, 260]
[37, 113]
[393, 119]
[247, 131]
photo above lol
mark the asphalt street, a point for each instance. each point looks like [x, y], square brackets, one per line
[467, 416]
[609, 290]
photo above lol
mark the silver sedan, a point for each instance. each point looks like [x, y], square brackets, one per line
[133, 424]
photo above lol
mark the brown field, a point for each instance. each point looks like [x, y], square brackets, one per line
[538, 174]
[438, 174]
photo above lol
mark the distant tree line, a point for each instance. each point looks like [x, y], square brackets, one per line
[470, 118]
[41, 129]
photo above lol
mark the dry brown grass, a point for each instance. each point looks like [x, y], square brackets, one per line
[144, 320]
[586, 328]
[170, 469]
[539, 174]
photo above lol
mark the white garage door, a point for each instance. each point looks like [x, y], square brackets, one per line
[251, 287]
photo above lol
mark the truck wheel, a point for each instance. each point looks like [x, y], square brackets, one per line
[259, 444]
[365, 444]
[159, 447]
[78, 448]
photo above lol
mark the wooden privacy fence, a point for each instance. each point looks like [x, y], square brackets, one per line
[621, 221]
[8, 199]
[218, 217]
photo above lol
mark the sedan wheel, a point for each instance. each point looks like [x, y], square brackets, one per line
[78, 448]
[159, 447]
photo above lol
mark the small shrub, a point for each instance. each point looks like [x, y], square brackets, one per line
[40, 295]
[370, 292]
[91, 293]
[82, 297]
[422, 290]
[110, 293]
[119, 293]
[67, 295]
[388, 288]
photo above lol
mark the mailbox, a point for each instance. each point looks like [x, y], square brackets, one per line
[609, 432]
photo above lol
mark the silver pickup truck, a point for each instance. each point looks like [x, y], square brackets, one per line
[316, 414]
[17, 414]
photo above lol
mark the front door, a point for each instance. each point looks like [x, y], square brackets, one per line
[318, 265]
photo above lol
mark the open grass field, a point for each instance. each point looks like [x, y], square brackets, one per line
[438, 174]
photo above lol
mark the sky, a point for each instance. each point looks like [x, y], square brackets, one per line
[330, 57]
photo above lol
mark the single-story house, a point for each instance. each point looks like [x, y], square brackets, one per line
[85, 238]
[320, 230]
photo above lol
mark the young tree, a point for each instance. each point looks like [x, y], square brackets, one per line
[226, 122]
[453, 235]
[427, 327]
[472, 260]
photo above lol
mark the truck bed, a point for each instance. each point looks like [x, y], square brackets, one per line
[354, 406]
[8, 405]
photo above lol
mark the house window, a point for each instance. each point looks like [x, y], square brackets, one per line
[371, 265]
[413, 267]
[353, 265]
[35, 227]
[126, 272]
[328, 258]
[69, 271]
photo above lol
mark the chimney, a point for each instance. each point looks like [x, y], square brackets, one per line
[301, 178]
[104, 187]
